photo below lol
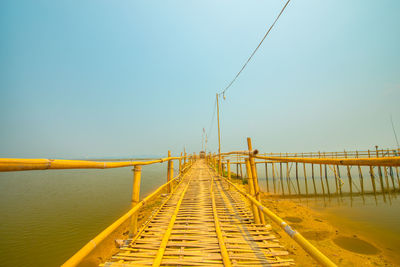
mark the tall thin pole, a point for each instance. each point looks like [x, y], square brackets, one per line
[219, 138]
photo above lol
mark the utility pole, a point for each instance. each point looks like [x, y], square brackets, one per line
[219, 140]
[205, 146]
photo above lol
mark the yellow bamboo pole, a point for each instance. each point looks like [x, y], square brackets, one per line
[251, 189]
[228, 165]
[169, 176]
[255, 178]
[180, 163]
[12, 164]
[135, 197]
[221, 242]
[378, 161]
[219, 138]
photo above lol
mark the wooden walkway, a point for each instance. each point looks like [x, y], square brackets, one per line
[202, 223]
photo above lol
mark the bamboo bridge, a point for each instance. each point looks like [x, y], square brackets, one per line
[208, 215]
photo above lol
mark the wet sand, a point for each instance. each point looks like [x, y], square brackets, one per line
[341, 245]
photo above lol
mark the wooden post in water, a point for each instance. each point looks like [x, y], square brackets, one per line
[135, 198]
[336, 173]
[340, 184]
[320, 175]
[380, 175]
[360, 174]
[273, 177]
[313, 180]
[327, 182]
[391, 173]
[250, 180]
[170, 171]
[288, 176]
[297, 179]
[349, 177]
[371, 172]
[266, 175]
[305, 175]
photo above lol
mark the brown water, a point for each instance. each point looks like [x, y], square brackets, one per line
[377, 222]
[48, 215]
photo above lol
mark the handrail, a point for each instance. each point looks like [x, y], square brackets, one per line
[304, 243]
[89, 247]
[382, 161]
[13, 164]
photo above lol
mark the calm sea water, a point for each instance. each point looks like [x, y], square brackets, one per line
[46, 216]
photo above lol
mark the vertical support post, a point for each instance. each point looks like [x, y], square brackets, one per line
[266, 176]
[380, 176]
[371, 172]
[326, 180]
[180, 164]
[237, 170]
[313, 180]
[228, 167]
[391, 173]
[339, 178]
[281, 179]
[135, 198]
[305, 178]
[288, 176]
[349, 177]
[273, 176]
[320, 175]
[252, 193]
[255, 177]
[241, 171]
[184, 159]
[297, 179]
[169, 172]
[219, 138]
[360, 174]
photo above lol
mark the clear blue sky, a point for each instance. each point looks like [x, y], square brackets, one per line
[121, 78]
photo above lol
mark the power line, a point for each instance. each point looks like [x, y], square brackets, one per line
[255, 50]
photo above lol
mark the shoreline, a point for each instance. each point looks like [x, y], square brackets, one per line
[332, 240]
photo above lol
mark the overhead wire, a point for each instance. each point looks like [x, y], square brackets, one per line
[255, 50]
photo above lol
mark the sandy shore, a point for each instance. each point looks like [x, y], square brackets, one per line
[329, 239]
